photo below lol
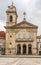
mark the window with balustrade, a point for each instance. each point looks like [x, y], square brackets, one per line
[24, 36]
[29, 36]
[18, 36]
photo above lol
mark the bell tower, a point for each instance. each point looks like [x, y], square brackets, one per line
[11, 15]
[10, 33]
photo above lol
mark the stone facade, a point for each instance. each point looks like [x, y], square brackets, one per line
[39, 44]
[21, 38]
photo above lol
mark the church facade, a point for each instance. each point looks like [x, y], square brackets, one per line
[21, 38]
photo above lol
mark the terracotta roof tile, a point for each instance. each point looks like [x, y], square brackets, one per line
[2, 34]
[39, 37]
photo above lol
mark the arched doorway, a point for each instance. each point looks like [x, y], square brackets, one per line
[29, 49]
[18, 49]
[24, 49]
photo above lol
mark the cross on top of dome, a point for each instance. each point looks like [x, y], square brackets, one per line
[24, 15]
[12, 3]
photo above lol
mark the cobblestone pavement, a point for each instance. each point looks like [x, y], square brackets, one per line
[20, 61]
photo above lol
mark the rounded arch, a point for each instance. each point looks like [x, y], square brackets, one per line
[24, 48]
[29, 45]
[29, 49]
[18, 49]
[11, 18]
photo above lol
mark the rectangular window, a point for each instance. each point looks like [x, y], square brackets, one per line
[37, 40]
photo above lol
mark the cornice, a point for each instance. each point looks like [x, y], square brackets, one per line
[20, 27]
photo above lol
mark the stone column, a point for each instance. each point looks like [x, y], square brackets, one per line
[27, 49]
[21, 49]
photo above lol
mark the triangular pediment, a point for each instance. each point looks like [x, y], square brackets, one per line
[25, 24]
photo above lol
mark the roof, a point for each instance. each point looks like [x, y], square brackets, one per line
[24, 21]
[2, 34]
[39, 37]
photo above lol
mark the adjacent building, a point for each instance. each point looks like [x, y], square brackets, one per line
[2, 42]
[39, 44]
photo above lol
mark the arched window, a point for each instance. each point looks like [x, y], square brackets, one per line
[29, 35]
[29, 49]
[11, 18]
[18, 49]
[24, 36]
[24, 49]
[18, 36]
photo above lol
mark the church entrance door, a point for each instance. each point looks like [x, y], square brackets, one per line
[29, 49]
[24, 49]
[18, 49]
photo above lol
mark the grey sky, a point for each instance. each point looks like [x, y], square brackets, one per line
[31, 7]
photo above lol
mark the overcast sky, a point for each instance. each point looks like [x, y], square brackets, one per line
[31, 7]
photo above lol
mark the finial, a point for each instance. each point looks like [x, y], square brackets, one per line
[24, 15]
[12, 3]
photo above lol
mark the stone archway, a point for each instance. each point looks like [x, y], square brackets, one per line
[29, 49]
[24, 49]
[18, 49]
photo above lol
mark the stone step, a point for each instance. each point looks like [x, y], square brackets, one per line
[20, 56]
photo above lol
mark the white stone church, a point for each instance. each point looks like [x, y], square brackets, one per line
[21, 38]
